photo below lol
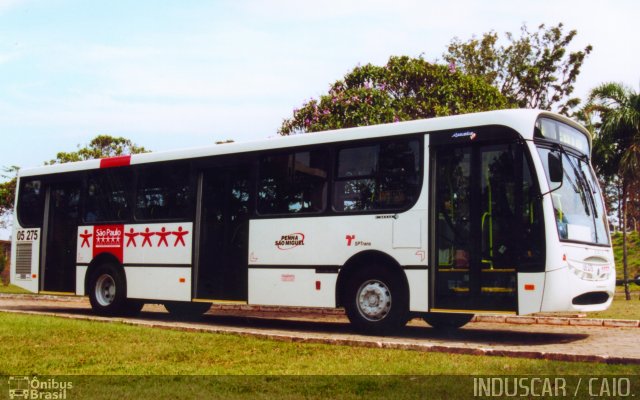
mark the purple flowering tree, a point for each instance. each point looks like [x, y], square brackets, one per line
[403, 89]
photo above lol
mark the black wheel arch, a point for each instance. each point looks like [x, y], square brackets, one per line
[361, 260]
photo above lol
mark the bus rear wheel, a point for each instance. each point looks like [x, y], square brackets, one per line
[446, 321]
[376, 301]
[108, 292]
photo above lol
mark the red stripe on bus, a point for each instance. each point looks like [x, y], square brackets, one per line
[118, 161]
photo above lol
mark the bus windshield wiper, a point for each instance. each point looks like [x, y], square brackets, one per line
[591, 192]
[584, 182]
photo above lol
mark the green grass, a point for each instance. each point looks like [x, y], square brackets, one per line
[633, 254]
[243, 367]
[621, 308]
[47, 345]
[12, 289]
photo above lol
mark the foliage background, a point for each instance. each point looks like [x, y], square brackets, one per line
[404, 89]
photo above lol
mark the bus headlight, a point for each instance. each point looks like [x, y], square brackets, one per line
[590, 271]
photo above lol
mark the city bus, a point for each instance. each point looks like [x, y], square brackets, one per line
[442, 218]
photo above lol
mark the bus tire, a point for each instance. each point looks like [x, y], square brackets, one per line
[108, 291]
[446, 321]
[376, 300]
[187, 310]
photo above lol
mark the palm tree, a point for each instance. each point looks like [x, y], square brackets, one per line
[619, 108]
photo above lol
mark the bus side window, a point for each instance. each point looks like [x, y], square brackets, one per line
[164, 192]
[31, 203]
[292, 183]
[381, 176]
[355, 184]
[107, 196]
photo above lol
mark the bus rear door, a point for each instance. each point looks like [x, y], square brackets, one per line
[58, 268]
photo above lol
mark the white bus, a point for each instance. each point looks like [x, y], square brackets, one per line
[495, 212]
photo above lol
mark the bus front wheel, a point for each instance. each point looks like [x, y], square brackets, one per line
[108, 292]
[376, 300]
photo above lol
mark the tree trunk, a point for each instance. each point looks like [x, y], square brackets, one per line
[619, 187]
[625, 268]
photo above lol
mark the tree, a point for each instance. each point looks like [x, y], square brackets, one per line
[533, 71]
[7, 192]
[101, 146]
[618, 107]
[403, 89]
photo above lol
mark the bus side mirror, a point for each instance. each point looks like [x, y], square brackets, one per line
[554, 161]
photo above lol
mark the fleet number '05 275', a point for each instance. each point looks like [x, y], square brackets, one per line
[28, 235]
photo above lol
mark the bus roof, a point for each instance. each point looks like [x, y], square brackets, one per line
[521, 120]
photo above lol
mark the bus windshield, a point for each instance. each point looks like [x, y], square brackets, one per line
[577, 202]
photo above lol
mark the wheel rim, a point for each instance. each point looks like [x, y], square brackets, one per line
[105, 290]
[374, 300]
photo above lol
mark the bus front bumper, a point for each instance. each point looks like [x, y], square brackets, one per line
[564, 291]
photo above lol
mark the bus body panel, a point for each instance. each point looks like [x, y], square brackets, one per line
[150, 282]
[314, 288]
[562, 286]
[574, 270]
[331, 241]
[81, 274]
[280, 249]
[530, 292]
[300, 287]
[25, 257]
[157, 257]
[418, 289]
[151, 243]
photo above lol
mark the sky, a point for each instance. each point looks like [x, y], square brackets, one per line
[176, 74]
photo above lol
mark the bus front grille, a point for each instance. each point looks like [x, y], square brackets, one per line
[591, 298]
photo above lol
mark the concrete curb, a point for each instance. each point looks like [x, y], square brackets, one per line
[576, 321]
[367, 342]
[489, 318]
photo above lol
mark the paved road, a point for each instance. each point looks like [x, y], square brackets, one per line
[568, 343]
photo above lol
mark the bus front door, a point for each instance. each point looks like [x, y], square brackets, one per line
[478, 230]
